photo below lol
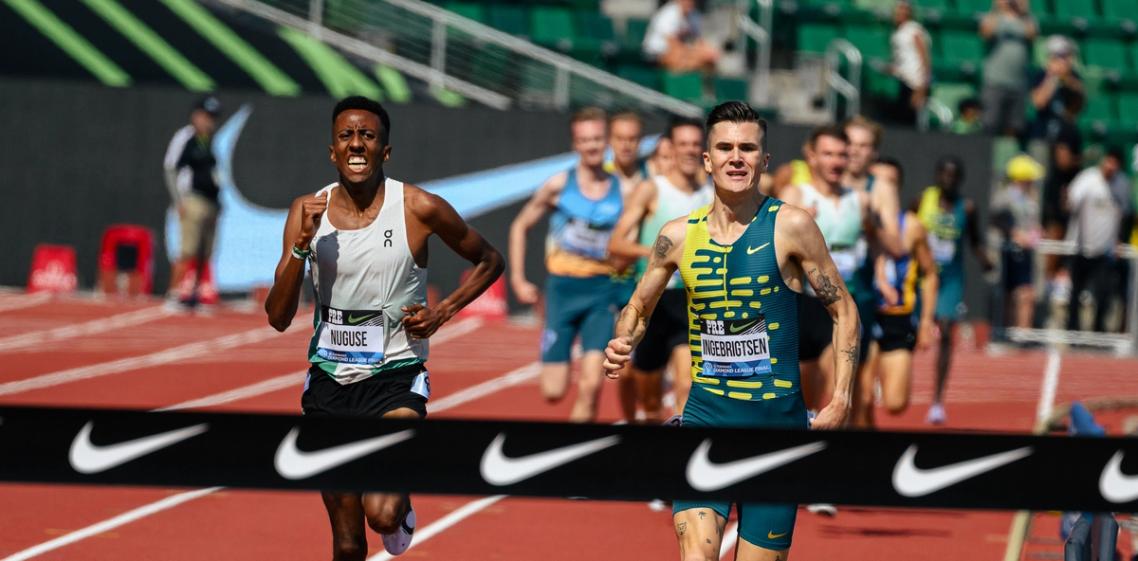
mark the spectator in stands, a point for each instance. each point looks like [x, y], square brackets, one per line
[191, 178]
[1015, 213]
[1101, 211]
[1009, 30]
[969, 118]
[674, 40]
[912, 64]
[1057, 91]
[1064, 149]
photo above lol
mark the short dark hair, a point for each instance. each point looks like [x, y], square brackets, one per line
[831, 130]
[1114, 152]
[737, 112]
[968, 103]
[945, 161]
[364, 104]
[680, 122]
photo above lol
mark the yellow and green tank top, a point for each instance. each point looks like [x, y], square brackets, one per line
[742, 318]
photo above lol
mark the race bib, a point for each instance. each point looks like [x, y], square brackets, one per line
[943, 250]
[735, 348]
[578, 237]
[890, 272]
[351, 336]
[849, 258]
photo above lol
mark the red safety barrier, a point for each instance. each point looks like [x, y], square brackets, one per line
[141, 275]
[490, 304]
[53, 269]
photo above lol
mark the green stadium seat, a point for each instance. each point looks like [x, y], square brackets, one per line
[687, 86]
[1070, 9]
[1108, 54]
[879, 85]
[1041, 8]
[644, 75]
[973, 7]
[595, 34]
[509, 18]
[1118, 10]
[1099, 113]
[476, 12]
[813, 38]
[634, 31]
[727, 89]
[960, 47]
[553, 27]
[872, 41]
[1128, 110]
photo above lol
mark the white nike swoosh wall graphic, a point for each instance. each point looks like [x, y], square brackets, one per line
[294, 463]
[911, 481]
[498, 469]
[87, 457]
[705, 475]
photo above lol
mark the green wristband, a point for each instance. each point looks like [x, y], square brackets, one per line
[301, 254]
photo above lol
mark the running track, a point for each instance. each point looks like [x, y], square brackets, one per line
[82, 352]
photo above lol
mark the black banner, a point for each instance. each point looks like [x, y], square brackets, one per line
[975, 471]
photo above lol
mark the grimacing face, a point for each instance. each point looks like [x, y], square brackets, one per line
[734, 157]
[357, 149]
[828, 159]
[589, 141]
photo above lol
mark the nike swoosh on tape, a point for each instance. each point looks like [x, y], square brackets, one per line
[704, 475]
[498, 469]
[911, 481]
[294, 463]
[1115, 486]
[752, 250]
[88, 458]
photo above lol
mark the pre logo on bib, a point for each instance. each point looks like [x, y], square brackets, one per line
[735, 348]
[351, 336]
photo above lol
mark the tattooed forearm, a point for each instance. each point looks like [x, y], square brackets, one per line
[828, 292]
[662, 247]
[852, 355]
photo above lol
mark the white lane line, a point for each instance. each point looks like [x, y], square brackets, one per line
[730, 536]
[1050, 385]
[443, 335]
[92, 327]
[110, 523]
[509, 379]
[21, 302]
[166, 356]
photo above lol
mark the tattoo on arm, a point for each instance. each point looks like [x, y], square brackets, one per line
[681, 528]
[852, 355]
[827, 291]
[663, 246]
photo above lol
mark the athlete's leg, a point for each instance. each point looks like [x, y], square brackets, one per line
[700, 533]
[554, 380]
[862, 412]
[629, 389]
[562, 319]
[589, 386]
[680, 368]
[943, 358]
[747, 551]
[385, 511]
[649, 388]
[896, 380]
[346, 514]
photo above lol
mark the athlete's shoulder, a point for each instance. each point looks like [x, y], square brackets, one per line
[675, 229]
[792, 219]
[556, 182]
[423, 204]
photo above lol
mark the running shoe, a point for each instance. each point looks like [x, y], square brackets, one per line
[399, 541]
[822, 509]
[936, 415]
[674, 421]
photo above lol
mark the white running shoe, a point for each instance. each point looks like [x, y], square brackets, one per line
[936, 415]
[674, 421]
[398, 542]
[822, 509]
[657, 505]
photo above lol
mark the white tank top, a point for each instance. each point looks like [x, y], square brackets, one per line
[841, 226]
[361, 279]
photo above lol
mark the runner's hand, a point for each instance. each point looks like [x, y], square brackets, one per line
[526, 292]
[832, 416]
[617, 354]
[314, 208]
[421, 322]
[926, 332]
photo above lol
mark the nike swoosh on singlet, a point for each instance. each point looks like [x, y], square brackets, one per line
[87, 457]
[294, 463]
[752, 250]
[705, 475]
[1115, 486]
[738, 328]
[911, 481]
[498, 469]
[352, 319]
[774, 536]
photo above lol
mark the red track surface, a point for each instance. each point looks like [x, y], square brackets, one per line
[992, 393]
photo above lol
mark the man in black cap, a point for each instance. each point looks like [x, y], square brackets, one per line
[191, 178]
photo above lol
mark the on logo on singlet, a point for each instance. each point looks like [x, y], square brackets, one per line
[735, 347]
[351, 336]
